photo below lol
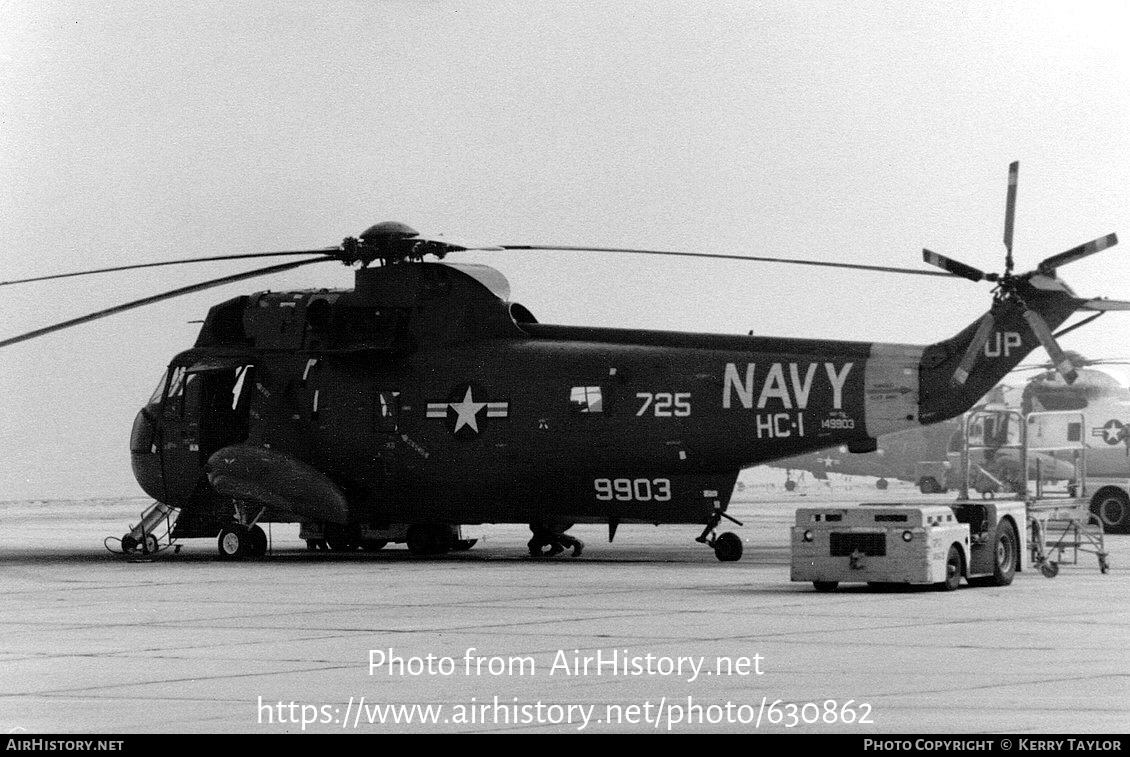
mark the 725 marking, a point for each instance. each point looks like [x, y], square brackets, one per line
[665, 404]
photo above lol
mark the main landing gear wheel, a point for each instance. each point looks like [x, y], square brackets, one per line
[373, 545]
[341, 538]
[728, 547]
[234, 541]
[341, 544]
[1004, 558]
[429, 539]
[953, 570]
[256, 542]
[825, 586]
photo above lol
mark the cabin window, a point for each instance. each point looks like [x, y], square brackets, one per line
[1074, 432]
[586, 399]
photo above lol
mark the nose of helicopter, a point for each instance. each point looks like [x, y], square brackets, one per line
[144, 456]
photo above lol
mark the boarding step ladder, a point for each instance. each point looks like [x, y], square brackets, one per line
[153, 532]
[1040, 458]
[1060, 520]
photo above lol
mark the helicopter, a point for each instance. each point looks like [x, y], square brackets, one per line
[424, 396]
[1103, 406]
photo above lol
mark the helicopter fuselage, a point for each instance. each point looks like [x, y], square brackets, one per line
[424, 396]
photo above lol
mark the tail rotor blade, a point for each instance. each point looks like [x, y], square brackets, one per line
[1010, 212]
[984, 330]
[1060, 360]
[953, 266]
[1048, 265]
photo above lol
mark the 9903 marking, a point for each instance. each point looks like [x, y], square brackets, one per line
[633, 489]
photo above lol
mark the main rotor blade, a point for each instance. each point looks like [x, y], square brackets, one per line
[955, 267]
[721, 256]
[1048, 265]
[208, 259]
[1062, 363]
[1010, 213]
[984, 330]
[158, 298]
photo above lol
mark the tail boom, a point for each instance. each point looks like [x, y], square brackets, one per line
[953, 377]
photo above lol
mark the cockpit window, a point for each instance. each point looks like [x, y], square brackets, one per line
[174, 395]
[159, 392]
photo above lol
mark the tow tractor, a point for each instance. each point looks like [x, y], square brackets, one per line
[985, 541]
[889, 543]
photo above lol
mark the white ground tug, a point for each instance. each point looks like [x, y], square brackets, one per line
[984, 541]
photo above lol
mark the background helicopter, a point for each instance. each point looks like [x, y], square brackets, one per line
[424, 396]
[1103, 401]
[896, 458]
[928, 457]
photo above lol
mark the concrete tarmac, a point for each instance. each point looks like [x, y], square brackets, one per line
[492, 640]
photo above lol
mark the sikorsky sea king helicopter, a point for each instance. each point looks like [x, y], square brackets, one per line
[422, 396]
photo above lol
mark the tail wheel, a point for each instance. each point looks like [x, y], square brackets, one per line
[728, 547]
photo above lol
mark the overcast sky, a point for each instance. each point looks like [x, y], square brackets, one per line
[135, 131]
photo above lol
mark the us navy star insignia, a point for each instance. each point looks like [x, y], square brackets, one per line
[465, 415]
[1112, 431]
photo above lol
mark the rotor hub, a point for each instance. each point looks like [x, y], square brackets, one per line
[389, 242]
